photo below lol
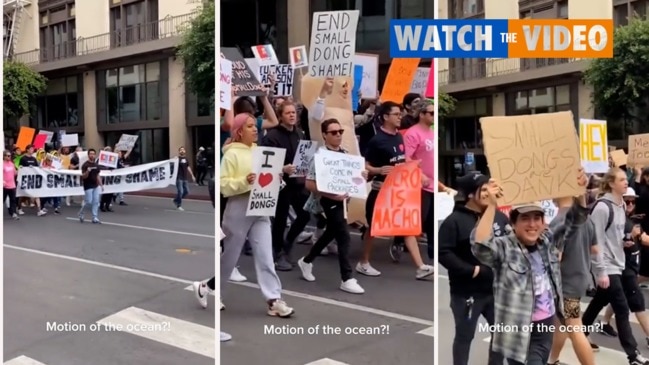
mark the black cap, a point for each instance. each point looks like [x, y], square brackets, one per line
[471, 182]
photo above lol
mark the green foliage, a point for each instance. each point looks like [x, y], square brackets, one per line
[197, 52]
[21, 85]
[621, 84]
[446, 105]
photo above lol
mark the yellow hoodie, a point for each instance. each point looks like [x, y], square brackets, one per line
[236, 165]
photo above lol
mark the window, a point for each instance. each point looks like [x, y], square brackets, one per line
[541, 100]
[338, 5]
[133, 93]
[467, 69]
[459, 9]
[463, 126]
[152, 144]
[205, 108]
[373, 8]
[57, 32]
[59, 107]
[621, 15]
[563, 9]
[133, 22]
[639, 9]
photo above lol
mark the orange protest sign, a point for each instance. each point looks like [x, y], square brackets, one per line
[399, 79]
[397, 211]
[25, 137]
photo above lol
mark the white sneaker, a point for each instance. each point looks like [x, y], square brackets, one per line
[21, 212]
[15, 216]
[237, 277]
[333, 248]
[225, 337]
[180, 209]
[324, 252]
[425, 271]
[367, 270]
[200, 292]
[351, 286]
[307, 270]
[280, 309]
[304, 237]
[41, 213]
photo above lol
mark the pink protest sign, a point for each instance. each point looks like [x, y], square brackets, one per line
[430, 86]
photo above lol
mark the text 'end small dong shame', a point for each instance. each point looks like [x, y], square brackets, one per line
[501, 38]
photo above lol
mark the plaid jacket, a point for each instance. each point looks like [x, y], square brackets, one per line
[513, 279]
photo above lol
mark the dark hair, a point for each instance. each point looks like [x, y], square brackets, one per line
[29, 146]
[409, 98]
[325, 125]
[91, 150]
[386, 108]
[244, 105]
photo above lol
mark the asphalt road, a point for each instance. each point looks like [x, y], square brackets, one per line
[610, 349]
[129, 274]
[396, 312]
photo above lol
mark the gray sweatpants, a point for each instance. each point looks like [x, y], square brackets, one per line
[237, 227]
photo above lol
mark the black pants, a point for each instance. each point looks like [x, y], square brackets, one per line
[294, 197]
[540, 344]
[320, 221]
[11, 193]
[429, 223]
[201, 174]
[466, 325]
[105, 201]
[616, 297]
[337, 229]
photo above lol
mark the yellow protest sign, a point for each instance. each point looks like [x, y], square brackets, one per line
[593, 145]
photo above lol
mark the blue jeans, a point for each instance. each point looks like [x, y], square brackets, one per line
[182, 190]
[91, 198]
[55, 201]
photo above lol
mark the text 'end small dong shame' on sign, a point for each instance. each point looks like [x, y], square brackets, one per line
[501, 38]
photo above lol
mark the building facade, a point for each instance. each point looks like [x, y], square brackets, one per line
[287, 23]
[111, 69]
[495, 87]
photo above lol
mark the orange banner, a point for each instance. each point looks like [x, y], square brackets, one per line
[397, 211]
[399, 79]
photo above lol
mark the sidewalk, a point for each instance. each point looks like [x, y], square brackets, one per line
[195, 192]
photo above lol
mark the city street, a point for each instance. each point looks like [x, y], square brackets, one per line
[130, 274]
[610, 349]
[395, 313]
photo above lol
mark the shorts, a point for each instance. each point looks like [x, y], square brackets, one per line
[632, 292]
[571, 308]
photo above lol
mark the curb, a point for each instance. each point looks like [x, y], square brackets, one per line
[163, 194]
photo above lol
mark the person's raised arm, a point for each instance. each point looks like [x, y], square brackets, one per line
[486, 248]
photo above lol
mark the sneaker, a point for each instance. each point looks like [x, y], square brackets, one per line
[225, 337]
[237, 277]
[200, 291]
[324, 252]
[41, 213]
[15, 217]
[608, 330]
[425, 271]
[283, 264]
[395, 251]
[307, 269]
[80, 218]
[180, 209]
[351, 286]
[304, 238]
[57, 211]
[367, 269]
[96, 221]
[280, 309]
[332, 248]
[639, 360]
[21, 212]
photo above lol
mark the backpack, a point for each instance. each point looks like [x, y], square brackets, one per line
[611, 213]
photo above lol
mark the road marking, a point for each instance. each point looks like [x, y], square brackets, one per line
[182, 233]
[603, 356]
[176, 332]
[326, 361]
[23, 360]
[430, 331]
[207, 201]
[188, 211]
[360, 308]
[191, 288]
[582, 306]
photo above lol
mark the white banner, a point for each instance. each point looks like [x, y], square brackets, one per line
[37, 182]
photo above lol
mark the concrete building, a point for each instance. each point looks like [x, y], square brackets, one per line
[492, 87]
[112, 70]
[287, 23]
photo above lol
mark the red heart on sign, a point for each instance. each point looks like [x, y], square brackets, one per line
[265, 179]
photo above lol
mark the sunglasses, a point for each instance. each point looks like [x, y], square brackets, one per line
[629, 202]
[335, 133]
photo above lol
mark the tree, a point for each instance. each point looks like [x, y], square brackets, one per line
[21, 85]
[621, 84]
[197, 52]
[446, 105]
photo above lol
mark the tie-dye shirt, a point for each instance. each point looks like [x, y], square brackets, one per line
[543, 299]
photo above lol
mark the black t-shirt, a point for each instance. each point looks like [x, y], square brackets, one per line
[93, 172]
[632, 262]
[28, 161]
[183, 164]
[74, 160]
[407, 121]
[385, 149]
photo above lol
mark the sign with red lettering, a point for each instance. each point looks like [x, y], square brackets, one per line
[397, 211]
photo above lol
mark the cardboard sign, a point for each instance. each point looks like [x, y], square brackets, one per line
[108, 159]
[398, 206]
[69, 140]
[244, 81]
[283, 78]
[533, 157]
[399, 79]
[431, 85]
[340, 174]
[126, 142]
[25, 137]
[370, 84]
[619, 157]
[303, 156]
[420, 81]
[265, 54]
[593, 144]
[267, 164]
[333, 43]
[298, 56]
[226, 84]
[638, 150]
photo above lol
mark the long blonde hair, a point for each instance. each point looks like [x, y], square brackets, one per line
[607, 179]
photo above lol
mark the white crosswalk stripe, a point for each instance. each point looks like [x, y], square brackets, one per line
[326, 361]
[430, 331]
[23, 360]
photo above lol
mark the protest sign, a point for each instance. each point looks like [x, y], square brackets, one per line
[340, 174]
[226, 84]
[267, 164]
[619, 158]
[244, 81]
[39, 141]
[265, 54]
[430, 85]
[420, 81]
[358, 81]
[283, 78]
[370, 83]
[69, 140]
[533, 157]
[302, 160]
[108, 159]
[638, 150]
[126, 142]
[550, 210]
[298, 57]
[83, 158]
[333, 43]
[49, 135]
[36, 182]
[444, 204]
[56, 161]
[397, 211]
[593, 144]
[25, 137]
[399, 79]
